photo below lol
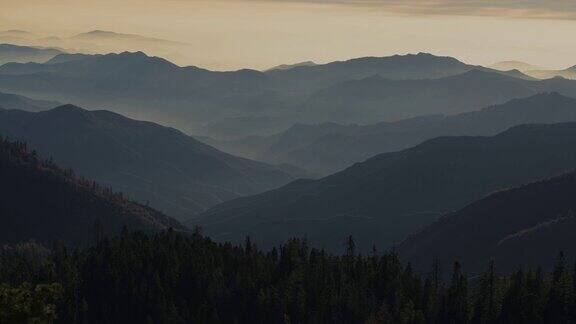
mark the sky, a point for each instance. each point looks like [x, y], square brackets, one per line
[234, 34]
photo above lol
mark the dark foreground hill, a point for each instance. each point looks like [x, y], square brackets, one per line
[391, 195]
[151, 163]
[523, 226]
[40, 201]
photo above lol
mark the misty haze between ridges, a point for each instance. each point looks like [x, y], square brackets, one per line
[185, 194]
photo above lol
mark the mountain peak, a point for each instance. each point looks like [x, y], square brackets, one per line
[290, 66]
[16, 32]
[68, 107]
[513, 65]
[67, 110]
[133, 54]
[100, 33]
[106, 35]
[65, 57]
[425, 57]
[138, 57]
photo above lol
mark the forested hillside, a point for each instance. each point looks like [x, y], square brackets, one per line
[172, 171]
[40, 201]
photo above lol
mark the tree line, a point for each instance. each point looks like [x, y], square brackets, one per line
[174, 277]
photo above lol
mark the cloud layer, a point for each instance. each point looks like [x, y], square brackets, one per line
[548, 9]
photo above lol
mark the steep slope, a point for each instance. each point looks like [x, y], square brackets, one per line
[525, 226]
[24, 54]
[41, 201]
[12, 101]
[327, 148]
[172, 171]
[391, 195]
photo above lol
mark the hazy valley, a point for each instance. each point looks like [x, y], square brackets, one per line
[138, 187]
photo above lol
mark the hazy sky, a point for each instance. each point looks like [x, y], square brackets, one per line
[230, 34]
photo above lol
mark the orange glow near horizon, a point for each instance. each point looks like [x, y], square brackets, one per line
[233, 34]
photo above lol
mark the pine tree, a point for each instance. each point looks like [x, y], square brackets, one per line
[560, 295]
[457, 308]
[488, 299]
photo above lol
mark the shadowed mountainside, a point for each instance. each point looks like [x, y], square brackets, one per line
[523, 226]
[387, 197]
[329, 147]
[40, 201]
[155, 164]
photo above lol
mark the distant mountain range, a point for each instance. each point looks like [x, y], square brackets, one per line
[569, 73]
[101, 42]
[110, 35]
[329, 147]
[12, 101]
[151, 163]
[526, 226]
[382, 200]
[397, 67]
[16, 36]
[535, 71]
[290, 66]
[144, 87]
[247, 102]
[514, 65]
[376, 98]
[42, 202]
[25, 54]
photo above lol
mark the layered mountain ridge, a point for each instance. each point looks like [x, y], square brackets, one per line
[217, 103]
[330, 147]
[387, 197]
[151, 163]
[526, 226]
